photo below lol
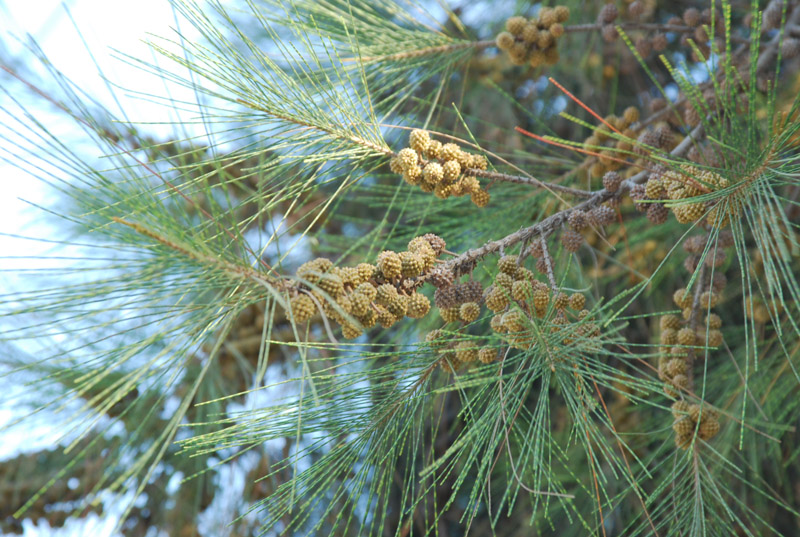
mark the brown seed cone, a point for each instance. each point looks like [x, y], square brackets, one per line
[636, 8]
[561, 13]
[611, 181]
[446, 297]
[660, 42]
[695, 244]
[603, 215]
[609, 33]
[441, 278]
[579, 220]
[790, 47]
[572, 240]
[469, 312]
[608, 14]
[691, 17]
[536, 248]
[657, 213]
[541, 265]
[643, 46]
[471, 291]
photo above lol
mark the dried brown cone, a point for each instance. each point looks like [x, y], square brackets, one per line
[436, 242]
[611, 182]
[578, 220]
[603, 215]
[446, 297]
[471, 291]
[608, 14]
[657, 213]
[572, 240]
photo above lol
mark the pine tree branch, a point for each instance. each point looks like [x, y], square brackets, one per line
[466, 262]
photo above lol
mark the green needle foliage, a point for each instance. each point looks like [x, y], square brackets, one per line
[418, 269]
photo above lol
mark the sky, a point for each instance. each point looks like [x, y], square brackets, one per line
[67, 31]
